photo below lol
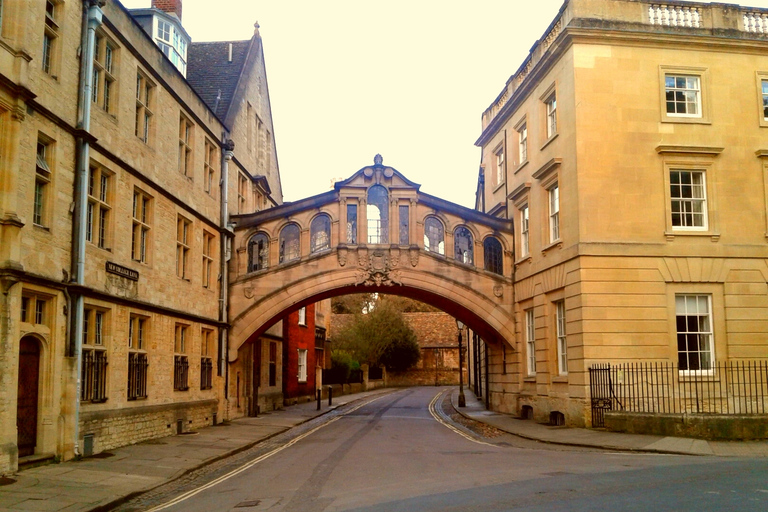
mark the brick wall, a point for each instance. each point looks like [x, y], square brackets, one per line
[299, 337]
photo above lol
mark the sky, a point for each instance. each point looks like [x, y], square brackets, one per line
[408, 79]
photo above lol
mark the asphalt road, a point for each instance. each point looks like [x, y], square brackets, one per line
[403, 452]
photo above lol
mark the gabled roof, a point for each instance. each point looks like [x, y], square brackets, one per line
[211, 74]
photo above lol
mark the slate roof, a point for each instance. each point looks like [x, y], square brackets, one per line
[209, 71]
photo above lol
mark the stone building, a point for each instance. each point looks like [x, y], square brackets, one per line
[117, 176]
[630, 148]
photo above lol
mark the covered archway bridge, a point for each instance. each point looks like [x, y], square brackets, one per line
[373, 232]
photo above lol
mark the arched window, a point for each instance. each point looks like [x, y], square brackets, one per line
[377, 213]
[462, 243]
[289, 243]
[258, 252]
[320, 233]
[493, 256]
[434, 235]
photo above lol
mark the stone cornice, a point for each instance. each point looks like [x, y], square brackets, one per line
[689, 150]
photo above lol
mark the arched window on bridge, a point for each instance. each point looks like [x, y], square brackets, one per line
[462, 243]
[434, 235]
[377, 213]
[320, 233]
[289, 243]
[493, 256]
[258, 252]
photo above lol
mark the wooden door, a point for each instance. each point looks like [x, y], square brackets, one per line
[26, 412]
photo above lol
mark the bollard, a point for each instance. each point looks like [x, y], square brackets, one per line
[330, 396]
[319, 394]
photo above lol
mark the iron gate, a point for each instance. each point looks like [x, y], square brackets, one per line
[601, 392]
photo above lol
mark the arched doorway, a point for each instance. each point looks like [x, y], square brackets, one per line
[26, 409]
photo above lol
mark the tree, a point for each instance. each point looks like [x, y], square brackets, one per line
[380, 337]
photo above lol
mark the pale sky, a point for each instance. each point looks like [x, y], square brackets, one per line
[405, 78]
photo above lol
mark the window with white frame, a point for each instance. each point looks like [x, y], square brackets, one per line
[683, 95]
[302, 365]
[764, 93]
[99, 209]
[499, 162]
[551, 104]
[688, 195]
[694, 332]
[554, 213]
[303, 316]
[530, 341]
[524, 234]
[522, 143]
[562, 343]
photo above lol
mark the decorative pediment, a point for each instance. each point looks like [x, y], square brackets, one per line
[377, 174]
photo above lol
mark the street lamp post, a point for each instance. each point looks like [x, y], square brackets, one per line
[462, 398]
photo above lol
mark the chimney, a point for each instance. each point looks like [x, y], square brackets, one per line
[169, 6]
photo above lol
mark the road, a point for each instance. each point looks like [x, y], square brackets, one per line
[403, 452]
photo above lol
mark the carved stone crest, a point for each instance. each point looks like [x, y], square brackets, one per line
[342, 254]
[413, 255]
[121, 286]
[377, 270]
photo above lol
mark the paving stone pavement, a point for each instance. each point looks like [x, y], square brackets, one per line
[97, 482]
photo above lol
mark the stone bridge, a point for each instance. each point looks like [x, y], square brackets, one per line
[374, 232]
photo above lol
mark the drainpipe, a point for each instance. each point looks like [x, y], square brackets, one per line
[224, 250]
[92, 19]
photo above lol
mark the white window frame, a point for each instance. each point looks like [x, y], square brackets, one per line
[303, 316]
[498, 159]
[562, 340]
[525, 238]
[553, 196]
[688, 204]
[702, 329]
[686, 89]
[551, 106]
[302, 365]
[530, 341]
[522, 143]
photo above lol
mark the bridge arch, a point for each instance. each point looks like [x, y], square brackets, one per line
[481, 299]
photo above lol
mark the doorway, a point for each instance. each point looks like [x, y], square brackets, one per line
[29, 381]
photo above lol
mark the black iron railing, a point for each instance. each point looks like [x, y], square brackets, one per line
[93, 384]
[137, 375]
[730, 388]
[206, 373]
[180, 373]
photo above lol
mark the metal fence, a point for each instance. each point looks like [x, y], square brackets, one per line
[734, 387]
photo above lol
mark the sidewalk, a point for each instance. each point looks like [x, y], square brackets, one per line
[529, 429]
[92, 483]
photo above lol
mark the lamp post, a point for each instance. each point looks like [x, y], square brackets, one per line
[462, 398]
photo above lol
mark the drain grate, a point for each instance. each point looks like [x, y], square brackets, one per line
[248, 504]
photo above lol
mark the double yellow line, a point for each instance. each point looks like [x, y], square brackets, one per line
[433, 412]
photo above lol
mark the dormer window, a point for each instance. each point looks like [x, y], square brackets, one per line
[173, 42]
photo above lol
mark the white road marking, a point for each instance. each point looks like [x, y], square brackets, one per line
[440, 420]
[235, 472]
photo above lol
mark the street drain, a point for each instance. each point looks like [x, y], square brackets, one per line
[248, 504]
